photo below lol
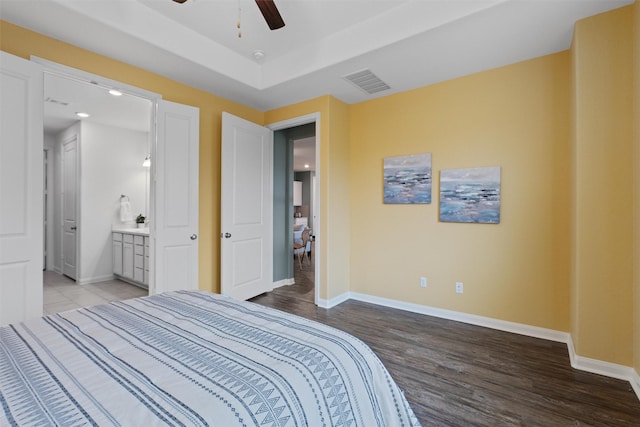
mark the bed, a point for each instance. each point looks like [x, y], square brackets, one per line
[191, 358]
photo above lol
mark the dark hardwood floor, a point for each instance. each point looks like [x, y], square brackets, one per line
[454, 374]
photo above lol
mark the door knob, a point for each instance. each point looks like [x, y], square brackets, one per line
[227, 235]
[193, 237]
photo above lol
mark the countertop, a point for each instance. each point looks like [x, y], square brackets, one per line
[138, 231]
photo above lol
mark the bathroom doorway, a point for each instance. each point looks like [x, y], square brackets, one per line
[91, 162]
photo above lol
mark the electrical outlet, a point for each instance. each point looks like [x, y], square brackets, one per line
[459, 287]
[423, 282]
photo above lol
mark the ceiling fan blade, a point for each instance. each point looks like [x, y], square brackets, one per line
[270, 13]
[180, 1]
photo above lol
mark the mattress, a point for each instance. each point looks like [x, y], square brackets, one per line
[191, 358]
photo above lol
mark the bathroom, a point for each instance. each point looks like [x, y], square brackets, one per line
[93, 169]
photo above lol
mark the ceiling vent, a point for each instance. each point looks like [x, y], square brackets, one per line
[55, 101]
[367, 81]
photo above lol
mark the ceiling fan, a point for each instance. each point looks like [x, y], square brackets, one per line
[269, 11]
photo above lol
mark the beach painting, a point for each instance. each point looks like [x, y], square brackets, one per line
[470, 195]
[407, 179]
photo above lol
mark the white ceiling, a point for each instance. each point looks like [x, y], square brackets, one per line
[407, 43]
[64, 97]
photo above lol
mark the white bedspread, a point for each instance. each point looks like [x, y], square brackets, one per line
[191, 358]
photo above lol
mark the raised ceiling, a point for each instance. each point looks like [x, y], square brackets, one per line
[406, 43]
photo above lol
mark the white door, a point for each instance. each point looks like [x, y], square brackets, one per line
[20, 189]
[69, 206]
[247, 208]
[176, 198]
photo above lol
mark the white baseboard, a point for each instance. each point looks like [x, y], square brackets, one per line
[283, 282]
[329, 303]
[635, 382]
[487, 322]
[96, 279]
[577, 362]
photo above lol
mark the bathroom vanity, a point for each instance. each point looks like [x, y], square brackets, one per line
[131, 255]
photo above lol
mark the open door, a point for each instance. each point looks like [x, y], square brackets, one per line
[70, 207]
[175, 213]
[20, 189]
[247, 208]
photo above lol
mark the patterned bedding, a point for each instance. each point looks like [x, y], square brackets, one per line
[191, 358]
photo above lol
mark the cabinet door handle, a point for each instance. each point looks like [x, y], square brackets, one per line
[193, 237]
[227, 235]
[73, 228]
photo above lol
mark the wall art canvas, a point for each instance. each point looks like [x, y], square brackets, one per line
[407, 179]
[470, 195]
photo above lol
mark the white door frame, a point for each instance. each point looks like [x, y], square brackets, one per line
[297, 121]
[89, 78]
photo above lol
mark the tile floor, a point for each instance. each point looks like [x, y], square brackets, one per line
[62, 293]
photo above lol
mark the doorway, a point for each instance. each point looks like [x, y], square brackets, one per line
[296, 144]
[93, 161]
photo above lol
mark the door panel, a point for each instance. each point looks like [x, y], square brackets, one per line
[20, 189]
[176, 198]
[247, 208]
[70, 206]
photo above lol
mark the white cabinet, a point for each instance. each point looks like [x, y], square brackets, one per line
[138, 258]
[131, 257]
[297, 193]
[127, 256]
[146, 261]
[117, 254]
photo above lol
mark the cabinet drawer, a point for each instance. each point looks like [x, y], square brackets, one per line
[127, 238]
[139, 250]
[117, 237]
[138, 240]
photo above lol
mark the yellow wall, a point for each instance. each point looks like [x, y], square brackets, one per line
[334, 188]
[21, 42]
[602, 282]
[636, 169]
[516, 117]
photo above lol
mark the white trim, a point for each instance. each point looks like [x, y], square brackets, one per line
[607, 369]
[96, 279]
[296, 121]
[94, 79]
[324, 303]
[283, 282]
[487, 322]
[635, 382]
[581, 363]
[600, 367]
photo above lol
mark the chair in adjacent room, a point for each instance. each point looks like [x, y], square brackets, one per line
[300, 246]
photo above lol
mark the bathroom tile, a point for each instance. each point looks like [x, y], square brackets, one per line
[61, 293]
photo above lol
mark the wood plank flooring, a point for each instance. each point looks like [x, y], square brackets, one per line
[454, 374]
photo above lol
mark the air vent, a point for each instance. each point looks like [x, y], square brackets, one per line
[367, 81]
[55, 101]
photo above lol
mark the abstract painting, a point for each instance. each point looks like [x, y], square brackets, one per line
[407, 179]
[470, 195]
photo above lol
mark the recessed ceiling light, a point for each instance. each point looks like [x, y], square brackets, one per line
[83, 115]
[306, 166]
[115, 92]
